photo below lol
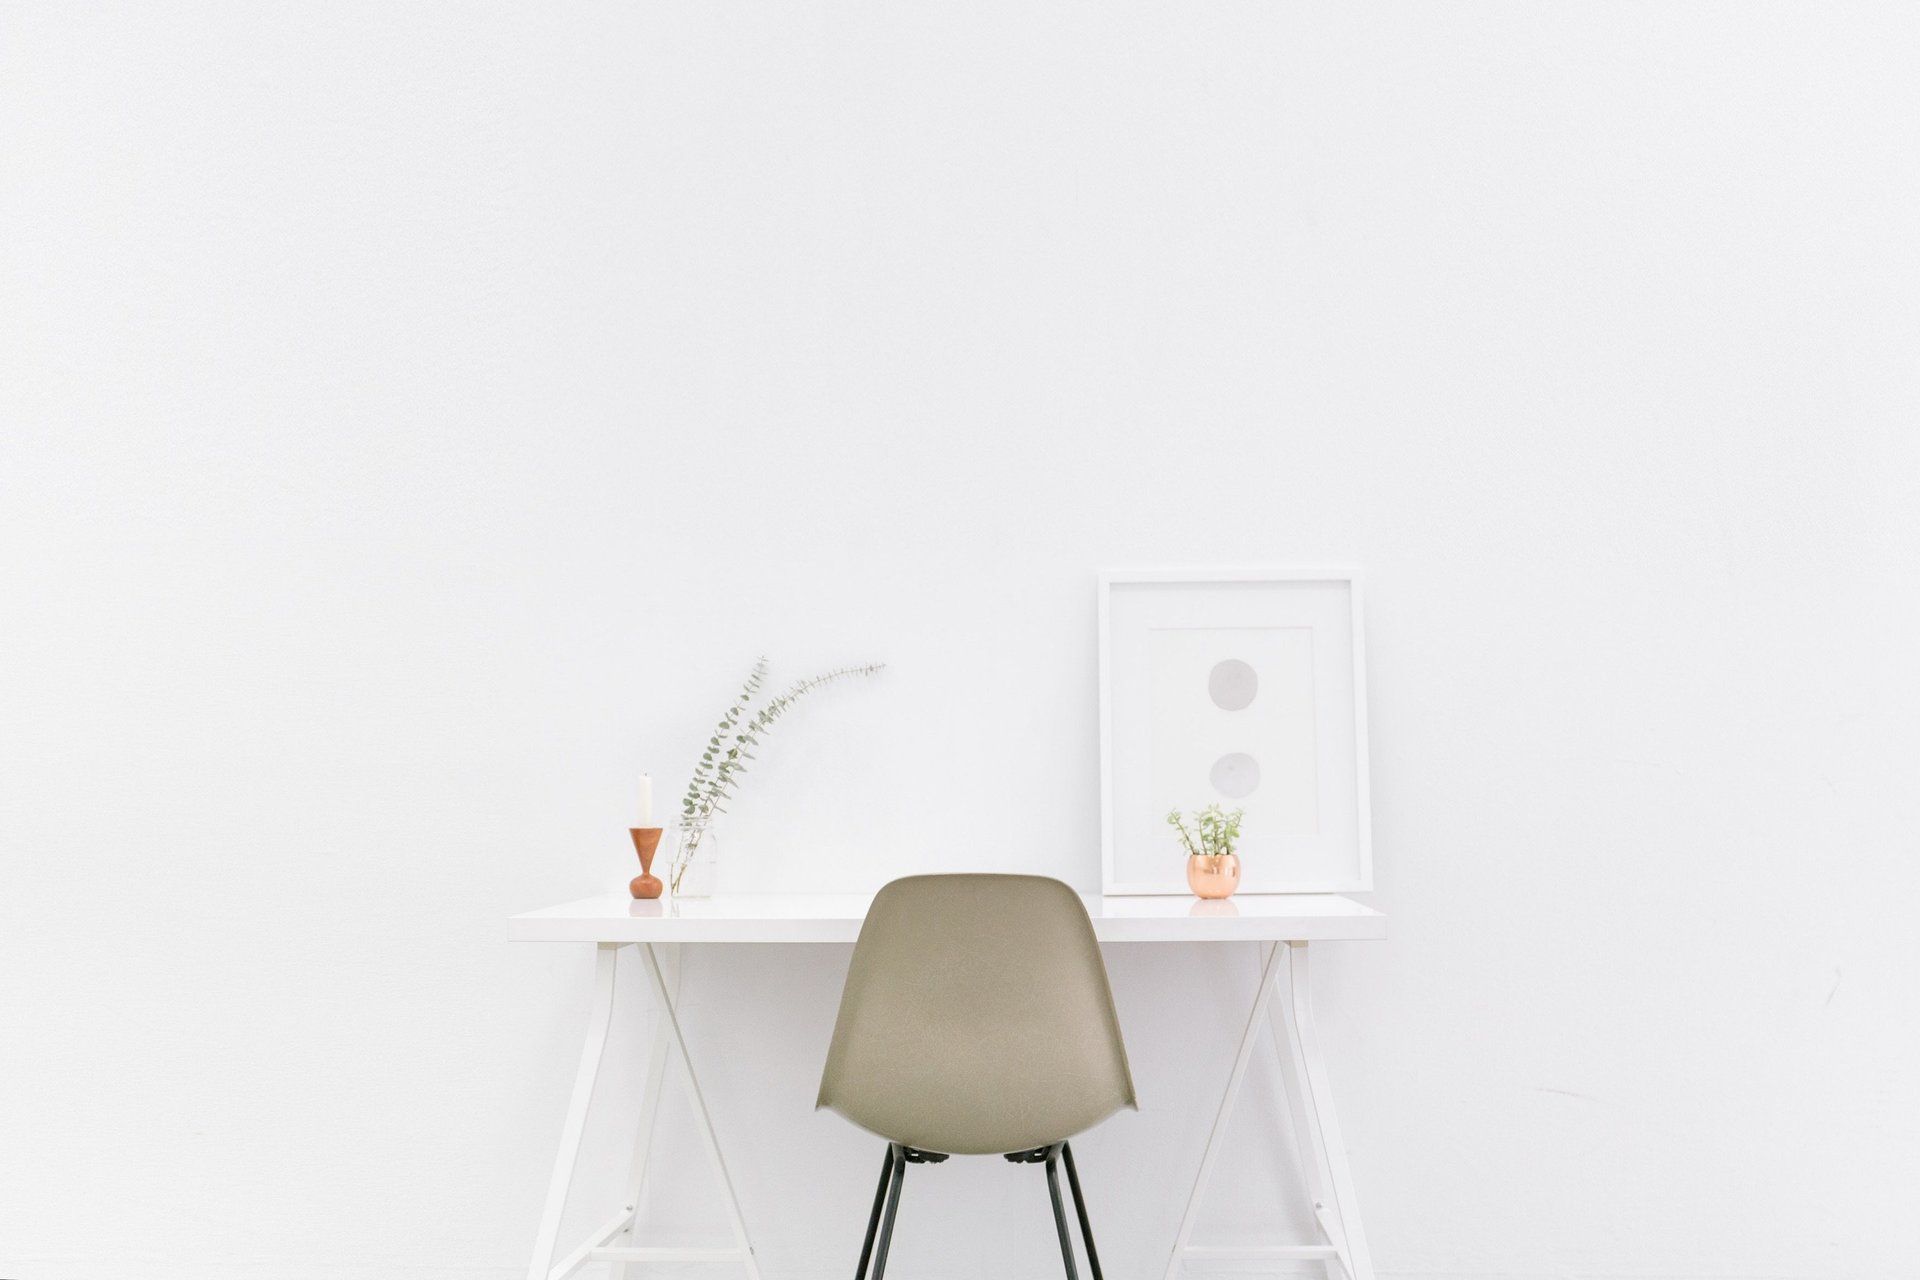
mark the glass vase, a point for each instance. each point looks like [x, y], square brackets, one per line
[695, 870]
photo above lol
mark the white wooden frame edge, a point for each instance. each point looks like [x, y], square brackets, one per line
[1349, 574]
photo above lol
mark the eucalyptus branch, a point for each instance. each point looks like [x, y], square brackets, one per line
[702, 787]
[717, 774]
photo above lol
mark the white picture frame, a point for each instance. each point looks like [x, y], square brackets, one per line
[1185, 656]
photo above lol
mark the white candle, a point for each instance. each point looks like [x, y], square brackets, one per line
[646, 800]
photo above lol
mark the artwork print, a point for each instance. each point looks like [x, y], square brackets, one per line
[1232, 724]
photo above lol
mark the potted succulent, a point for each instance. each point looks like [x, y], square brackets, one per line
[1213, 869]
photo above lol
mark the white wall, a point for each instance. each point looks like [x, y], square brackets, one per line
[417, 417]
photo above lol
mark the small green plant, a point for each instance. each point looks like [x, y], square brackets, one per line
[1213, 833]
[725, 757]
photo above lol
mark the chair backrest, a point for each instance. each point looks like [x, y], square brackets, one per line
[977, 1018]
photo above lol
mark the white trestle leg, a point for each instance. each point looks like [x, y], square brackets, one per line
[678, 1046]
[669, 1046]
[599, 1016]
[1262, 996]
[1323, 1159]
[649, 1113]
[1309, 1077]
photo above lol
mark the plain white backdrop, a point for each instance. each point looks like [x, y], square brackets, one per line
[417, 417]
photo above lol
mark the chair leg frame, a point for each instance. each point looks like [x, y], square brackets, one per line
[886, 1205]
[1080, 1207]
[897, 1175]
[873, 1219]
[1059, 1211]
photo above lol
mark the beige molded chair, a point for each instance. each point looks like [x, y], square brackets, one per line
[976, 1021]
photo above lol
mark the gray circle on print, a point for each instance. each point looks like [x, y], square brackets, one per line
[1235, 776]
[1231, 684]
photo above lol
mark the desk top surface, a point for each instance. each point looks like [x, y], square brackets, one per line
[818, 917]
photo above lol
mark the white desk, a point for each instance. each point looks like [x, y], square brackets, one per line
[1286, 924]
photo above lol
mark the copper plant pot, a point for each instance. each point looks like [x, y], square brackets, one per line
[646, 842]
[1214, 875]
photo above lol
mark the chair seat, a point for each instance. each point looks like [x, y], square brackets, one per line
[977, 1019]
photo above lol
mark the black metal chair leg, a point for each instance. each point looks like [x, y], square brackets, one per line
[1080, 1207]
[1060, 1212]
[893, 1207]
[873, 1219]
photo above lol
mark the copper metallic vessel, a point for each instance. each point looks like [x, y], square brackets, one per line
[1213, 875]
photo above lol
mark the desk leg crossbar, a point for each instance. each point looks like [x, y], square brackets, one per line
[1323, 1157]
[669, 1046]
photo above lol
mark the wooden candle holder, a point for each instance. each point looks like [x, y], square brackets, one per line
[646, 842]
